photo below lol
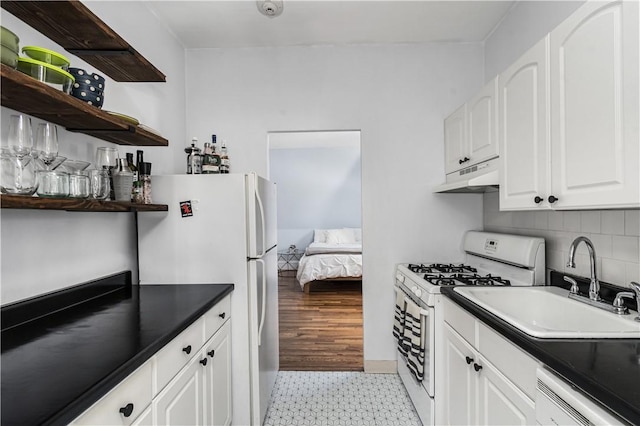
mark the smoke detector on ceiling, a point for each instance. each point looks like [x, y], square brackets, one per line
[270, 8]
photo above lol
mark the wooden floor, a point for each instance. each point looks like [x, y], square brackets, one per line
[322, 330]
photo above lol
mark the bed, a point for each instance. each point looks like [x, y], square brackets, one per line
[334, 255]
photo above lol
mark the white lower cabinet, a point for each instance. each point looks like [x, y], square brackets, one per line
[475, 390]
[187, 382]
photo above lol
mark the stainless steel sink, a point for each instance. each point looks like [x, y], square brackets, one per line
[547, 312]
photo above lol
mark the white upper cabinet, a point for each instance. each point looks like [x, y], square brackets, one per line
[594, 105]
[455, 140]
[470, 131]
[590, 100]
[524, 130]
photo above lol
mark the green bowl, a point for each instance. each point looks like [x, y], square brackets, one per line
[46, 55]
[9, 39]
[9, 57]
[47, 73]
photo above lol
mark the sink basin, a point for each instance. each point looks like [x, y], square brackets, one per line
[547, 312]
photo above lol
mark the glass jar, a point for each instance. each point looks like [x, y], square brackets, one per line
[53, 183]
[79, 184]
[99, 184]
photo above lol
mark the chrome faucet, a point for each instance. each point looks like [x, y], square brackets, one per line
[594, 286]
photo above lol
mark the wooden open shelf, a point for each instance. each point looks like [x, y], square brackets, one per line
[75, 204]
[73, 26]
[26, 94]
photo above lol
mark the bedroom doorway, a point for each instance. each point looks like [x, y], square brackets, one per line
[318, 174]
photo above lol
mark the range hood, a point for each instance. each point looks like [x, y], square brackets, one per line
[475, 179]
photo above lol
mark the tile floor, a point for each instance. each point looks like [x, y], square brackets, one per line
[340, 398]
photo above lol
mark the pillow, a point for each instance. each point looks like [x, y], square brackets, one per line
[357, 234]
[340, 236]
[320, 236]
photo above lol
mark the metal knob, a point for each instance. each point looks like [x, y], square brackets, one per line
[538, 199]
[187, 349]
[552, 199]
[222, 315]
[477, 367]
[127, 410]
[469, 360]
[203, 361]
[211, 353]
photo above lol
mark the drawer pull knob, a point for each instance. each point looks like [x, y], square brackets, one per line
[552, 199]
[538, 199]
[469, 360]
[127, 410]
[222, 315]
[187, 349]
[211, 353]
[477, 367]
[203, 361]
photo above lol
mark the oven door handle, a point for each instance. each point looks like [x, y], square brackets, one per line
[423, 306]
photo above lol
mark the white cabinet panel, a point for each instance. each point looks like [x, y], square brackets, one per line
[482, 119]
[180, 403]
[524, 131]
[217, 392]
[455, 140]
[460, 386]
[594, 94]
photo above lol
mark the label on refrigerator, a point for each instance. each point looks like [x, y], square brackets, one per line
[186, 209]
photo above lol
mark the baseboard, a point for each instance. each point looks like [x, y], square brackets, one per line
[380, 366]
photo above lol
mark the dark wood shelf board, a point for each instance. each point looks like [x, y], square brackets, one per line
[30, 96]
[73, 26]
[74, 204]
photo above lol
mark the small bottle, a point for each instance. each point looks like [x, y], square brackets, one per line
[122, 181]
[215, 157]
[194, 158]
[208, 162]
[225, 165]
[134, 170]
[145, 177]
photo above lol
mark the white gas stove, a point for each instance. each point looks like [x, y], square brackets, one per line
[491, 259]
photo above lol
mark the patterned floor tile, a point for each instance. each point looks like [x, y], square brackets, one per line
[340, 399]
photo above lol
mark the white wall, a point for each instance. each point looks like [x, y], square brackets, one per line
[615, 233]
[43, 251]
[318, 188]
[525, 24]
[397, 96]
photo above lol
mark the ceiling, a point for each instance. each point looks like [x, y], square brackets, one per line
[238, 23]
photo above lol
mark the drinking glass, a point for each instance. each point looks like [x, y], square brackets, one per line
[107, 159]
[20, 135]
[47, 143]
[99, 184]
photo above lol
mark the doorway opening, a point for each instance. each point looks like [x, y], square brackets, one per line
[318, 177]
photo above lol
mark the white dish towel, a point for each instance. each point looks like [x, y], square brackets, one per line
[414, 338]
[398, 321]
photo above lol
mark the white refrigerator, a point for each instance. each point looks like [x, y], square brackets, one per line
[222, 229]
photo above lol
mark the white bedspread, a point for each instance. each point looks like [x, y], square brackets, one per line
[326, 266]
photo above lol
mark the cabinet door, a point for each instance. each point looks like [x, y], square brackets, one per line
[524, 134]
[180, 403]
[460, 386]
[482, 124]
[145, 418]
[594, 87]
[500, 402]
[455, 140]
[217, 392]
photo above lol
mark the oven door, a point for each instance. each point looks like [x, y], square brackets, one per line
[428, 319]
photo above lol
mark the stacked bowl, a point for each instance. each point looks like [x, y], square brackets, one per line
[88, 87]
[10, 49]
[47, 66]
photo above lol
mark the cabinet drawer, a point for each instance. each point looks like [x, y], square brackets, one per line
[177, 353]
[136, 389]
[460, 321]
[216, 316]
[516, 365]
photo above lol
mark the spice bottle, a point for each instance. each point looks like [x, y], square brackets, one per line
[225, 165]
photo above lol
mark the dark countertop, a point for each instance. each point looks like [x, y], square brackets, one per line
[56, 365]
[606, 369]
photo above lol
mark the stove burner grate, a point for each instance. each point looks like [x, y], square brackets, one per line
[476, 279]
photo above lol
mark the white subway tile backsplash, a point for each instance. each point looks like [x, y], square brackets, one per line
[632, 222]
[612, 222]
[556, 220]
[571, 221]
[625, 248]
[613, 271]
[615, 235]
[590, 221]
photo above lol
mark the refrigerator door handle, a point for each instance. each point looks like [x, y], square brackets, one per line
[264, 300]
[263, 224]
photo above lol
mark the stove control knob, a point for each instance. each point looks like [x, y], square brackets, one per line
[417, 292]
[400, 278]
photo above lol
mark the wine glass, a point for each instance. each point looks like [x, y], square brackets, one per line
[20, 135]
[107, 159]
[47, 143]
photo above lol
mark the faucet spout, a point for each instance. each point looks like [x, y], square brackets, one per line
[594, 286]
